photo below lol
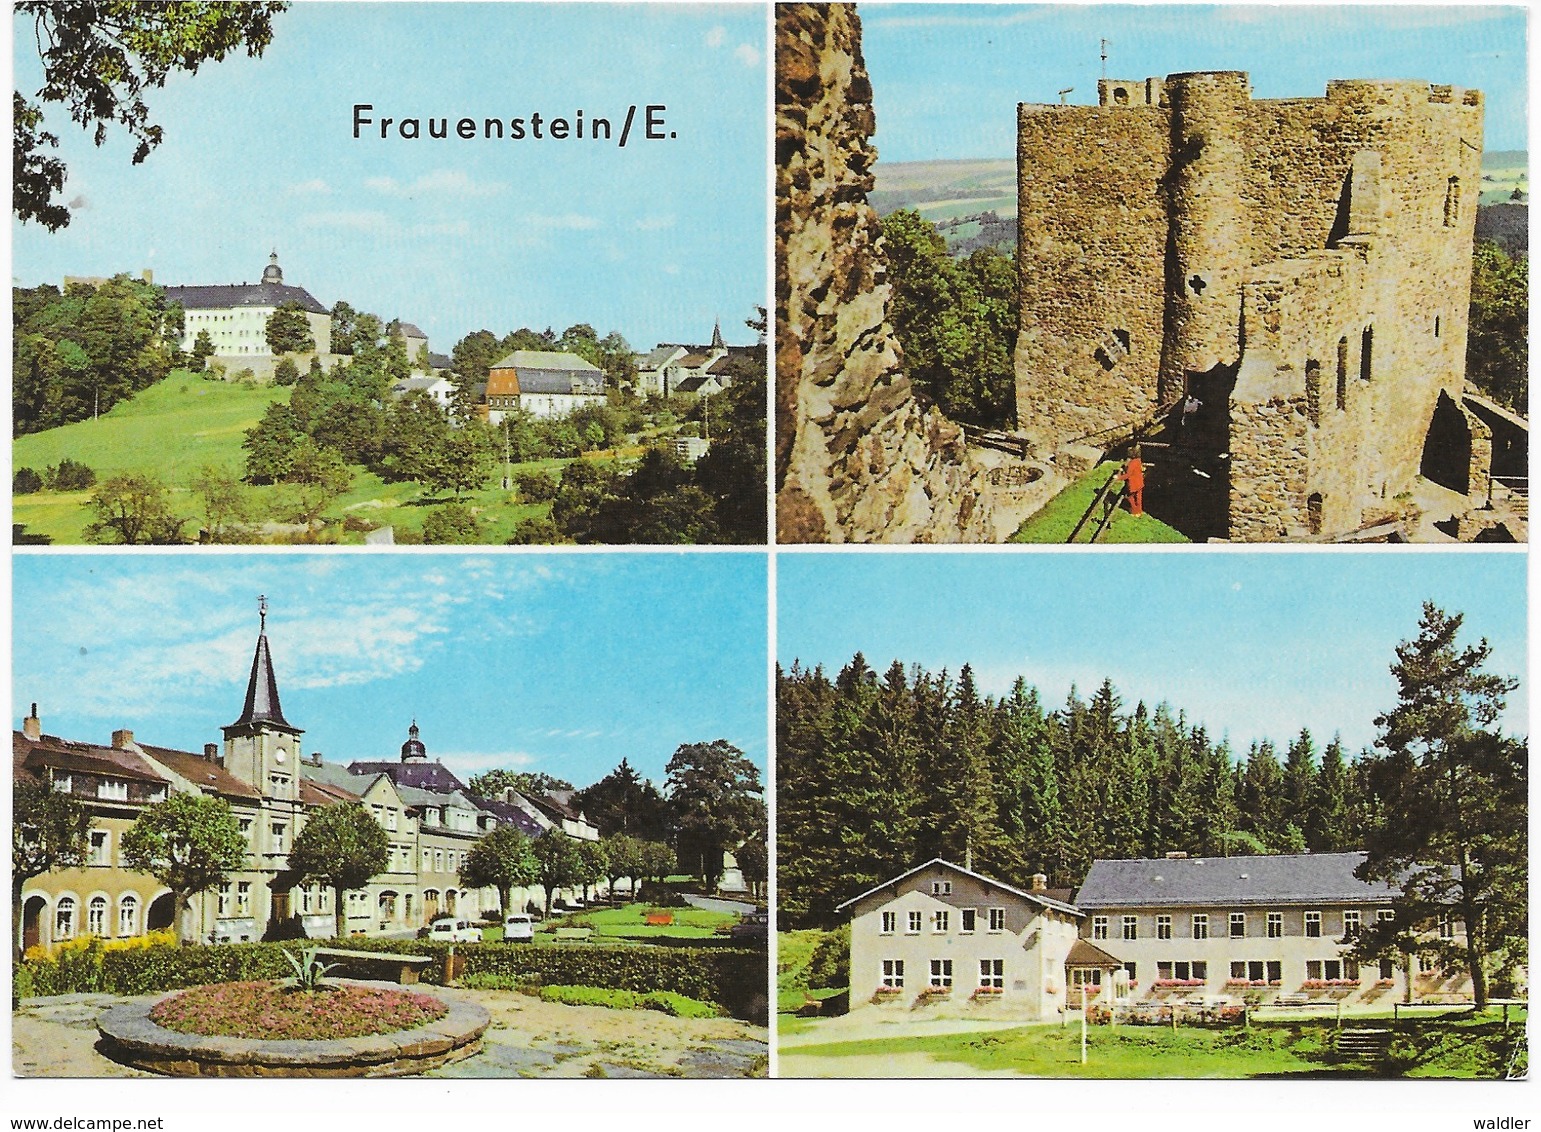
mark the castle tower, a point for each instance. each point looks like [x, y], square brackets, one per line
[1208, 248]
[272, 273]
[413, 751]
[262, 748]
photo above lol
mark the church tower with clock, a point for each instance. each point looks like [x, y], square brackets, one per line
[262, 748]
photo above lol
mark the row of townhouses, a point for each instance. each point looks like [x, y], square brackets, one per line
[1235, 928]
[273, 785]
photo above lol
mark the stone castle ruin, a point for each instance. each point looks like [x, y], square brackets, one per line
[1298, 268]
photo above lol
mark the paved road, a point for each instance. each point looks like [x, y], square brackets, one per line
[718, 904]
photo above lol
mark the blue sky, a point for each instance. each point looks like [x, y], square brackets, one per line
[560, 663]
[655, 240]
[1255, 645]
[946, 78]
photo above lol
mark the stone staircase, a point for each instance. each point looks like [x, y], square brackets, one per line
[1368, 1046]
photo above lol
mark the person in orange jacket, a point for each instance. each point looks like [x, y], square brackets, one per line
[1134, 475]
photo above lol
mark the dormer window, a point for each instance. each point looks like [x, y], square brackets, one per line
[62, 783]
[112, 789]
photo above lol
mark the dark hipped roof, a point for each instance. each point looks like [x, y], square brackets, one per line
[232, 295]
[1291, 878]
[410, 331]
[509, 814]
[425, 776]
[1084, 953]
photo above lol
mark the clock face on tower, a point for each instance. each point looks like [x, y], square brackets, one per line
[279, 755]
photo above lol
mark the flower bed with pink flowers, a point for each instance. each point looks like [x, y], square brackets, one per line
[276, 1012]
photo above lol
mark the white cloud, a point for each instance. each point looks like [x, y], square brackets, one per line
[450, 184]
[717, 37]
[313, 187]
[467, 763]
[352, 220]
[747, 54]
[566, 221]
[655, 223]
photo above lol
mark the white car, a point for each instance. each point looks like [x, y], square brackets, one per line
[450, 930]
[518, 928]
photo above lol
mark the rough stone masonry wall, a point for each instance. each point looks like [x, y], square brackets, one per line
[1091, 240]
[858, 458]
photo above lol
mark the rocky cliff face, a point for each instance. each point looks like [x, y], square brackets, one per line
[858, 459]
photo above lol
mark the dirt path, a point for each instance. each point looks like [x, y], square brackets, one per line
[56, 1037]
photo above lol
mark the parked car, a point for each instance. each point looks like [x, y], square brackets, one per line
[447, 929]
[518, 928]
[752, 927]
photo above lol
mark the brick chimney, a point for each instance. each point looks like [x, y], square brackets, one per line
[315, 758]
[122, 740]
[1040, 883]
[32, 726]
[211, 752]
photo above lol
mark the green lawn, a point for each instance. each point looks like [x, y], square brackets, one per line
[627, 922]
[1059, 516]
[185, 422]
[1466, 1048]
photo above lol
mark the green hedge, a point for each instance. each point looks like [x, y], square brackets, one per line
[734, 979]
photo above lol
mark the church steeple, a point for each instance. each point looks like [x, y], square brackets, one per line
[717, 342]
[272, 273]
[413, 751]
[262, 706]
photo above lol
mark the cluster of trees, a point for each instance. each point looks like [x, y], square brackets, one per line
[75, 353]
[956, 320]
[1498, 338]
[877, 774]
[66, 475]
[662, 499]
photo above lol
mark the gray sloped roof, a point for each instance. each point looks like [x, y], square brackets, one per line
[426, 776]
[559, 381]
[545, 359]
[410, 331]
[510, 814]
[1291, 878]
[1035, 897]
[229, 296]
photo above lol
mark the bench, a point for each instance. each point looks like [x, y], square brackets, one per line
[574, 933]
[399, 968]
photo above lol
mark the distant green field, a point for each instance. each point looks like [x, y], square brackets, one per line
[186, 422]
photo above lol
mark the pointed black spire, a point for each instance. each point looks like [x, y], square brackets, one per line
[717, 342]
[262, 704]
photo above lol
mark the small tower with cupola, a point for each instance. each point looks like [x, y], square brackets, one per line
[262, 748]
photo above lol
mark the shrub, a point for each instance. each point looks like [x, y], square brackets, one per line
[536, 487]
[286, 372]
[25, 482]
[830, 965]
[70, 475]
[452, 523]
[675, 1005]
[540, 531]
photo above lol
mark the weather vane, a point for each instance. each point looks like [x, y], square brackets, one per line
[262, 609]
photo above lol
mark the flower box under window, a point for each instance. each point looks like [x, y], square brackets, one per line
[1174, 984]
[889, 992]
[936, 990]
[985, 991]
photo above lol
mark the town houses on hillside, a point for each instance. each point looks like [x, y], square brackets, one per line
[672, 368]
[274, 785]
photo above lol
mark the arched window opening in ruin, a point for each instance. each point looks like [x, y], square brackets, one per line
[1198, 284]
[1342, 373]
[1121, 95]
[1366, 350]
[1314, 512]
[1314, 391]
[1452, 201]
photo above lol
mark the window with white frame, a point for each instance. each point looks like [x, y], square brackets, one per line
[1239, 968]
[279, 830]
[1383, 915]
[1314, 969]
[890, 922]
[96, 916]
[438, 860]
[225, 889]
[1313, 925]
[998, 921]
[1446, 926]
[1163, 927]
[966, 918]
[913, 922]
[1131, 927]
[1275, 971]
[893, 972]
[64, 918]
[1351, 923]
[1238, 925]
[112, 789]
[1099, 927]
[992, 973]
[1132, 971]
[62, 783]
[939, 920]
[1200, 925]
[243, 898]
[1276, 925]
[99, 848]
[391, 818]
[128, 914]
[1387, 969]
[941, 972]
[941, 888]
